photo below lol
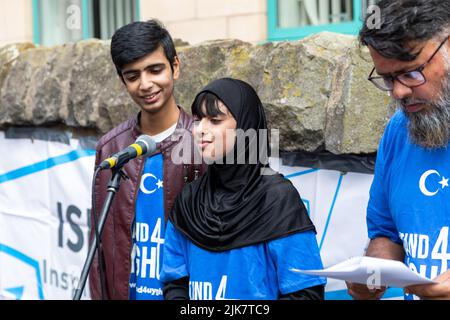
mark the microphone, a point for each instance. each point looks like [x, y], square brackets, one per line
[143, 146]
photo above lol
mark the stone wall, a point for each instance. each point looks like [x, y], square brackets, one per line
[314, 90]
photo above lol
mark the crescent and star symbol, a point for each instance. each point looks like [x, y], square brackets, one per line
[158, 184]
[423, 179]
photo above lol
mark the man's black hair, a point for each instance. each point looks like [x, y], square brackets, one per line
[403, 23]
[138, 39]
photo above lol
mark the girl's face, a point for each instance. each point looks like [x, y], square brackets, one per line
[215, 136]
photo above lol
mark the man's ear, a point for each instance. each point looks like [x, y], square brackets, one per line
[176, 67]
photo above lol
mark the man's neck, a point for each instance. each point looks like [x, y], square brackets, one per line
[155, 123]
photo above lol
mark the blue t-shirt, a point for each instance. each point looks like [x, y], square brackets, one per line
[255, 272]
[410, 199]
[148, 233]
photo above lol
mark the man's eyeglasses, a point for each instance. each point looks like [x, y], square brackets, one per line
[411, 79]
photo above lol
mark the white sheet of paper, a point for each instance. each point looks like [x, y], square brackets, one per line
[371, 271]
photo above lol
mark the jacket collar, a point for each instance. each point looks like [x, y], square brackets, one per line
[182, 123]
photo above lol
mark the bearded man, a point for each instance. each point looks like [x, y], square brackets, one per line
[408, 214]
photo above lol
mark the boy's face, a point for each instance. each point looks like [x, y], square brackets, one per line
[150, 80]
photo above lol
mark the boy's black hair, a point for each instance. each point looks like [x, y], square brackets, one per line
[138, 39]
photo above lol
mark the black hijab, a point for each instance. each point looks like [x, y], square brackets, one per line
[233, 205]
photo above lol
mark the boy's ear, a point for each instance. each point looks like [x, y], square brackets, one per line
[176, 68]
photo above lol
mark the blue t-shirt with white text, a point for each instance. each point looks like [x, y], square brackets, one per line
[255, 272]
[148, 233]
[410, 199]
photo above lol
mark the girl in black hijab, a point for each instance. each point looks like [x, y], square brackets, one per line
[237, 232]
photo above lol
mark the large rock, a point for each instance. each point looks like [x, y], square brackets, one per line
[357, 111]
[314, 90]
[8, 57]
[71, 84]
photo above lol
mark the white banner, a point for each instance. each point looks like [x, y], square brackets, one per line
[45, 205]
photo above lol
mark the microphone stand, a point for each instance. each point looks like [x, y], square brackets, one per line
[113, 187]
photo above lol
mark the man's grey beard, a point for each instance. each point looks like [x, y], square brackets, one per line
[430, 128]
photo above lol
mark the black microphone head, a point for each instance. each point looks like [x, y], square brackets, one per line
[149, 145]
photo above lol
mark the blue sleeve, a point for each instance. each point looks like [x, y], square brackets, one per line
[379, 218]
[298, 251]
[174, 264]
